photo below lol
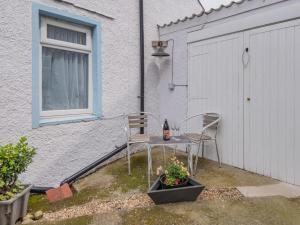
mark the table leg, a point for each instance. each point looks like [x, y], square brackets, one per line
[149, 164]
[190, 159]
[164, 152]
[175, 148]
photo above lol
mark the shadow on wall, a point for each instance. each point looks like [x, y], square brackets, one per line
[165, 70]
[158, 68]
[71, 150]
[153, 73]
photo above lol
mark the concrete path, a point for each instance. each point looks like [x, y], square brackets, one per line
[280, 189]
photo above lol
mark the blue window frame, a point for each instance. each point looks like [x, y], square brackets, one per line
[39, 11]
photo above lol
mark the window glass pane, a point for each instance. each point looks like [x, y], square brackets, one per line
[64, 79]
[62, 34]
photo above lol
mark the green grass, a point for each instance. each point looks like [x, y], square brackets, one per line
[138, 179]
[83, 220]
[124, 182]
[121, 182]
[254, 211]
[155, 215]
[40, 202]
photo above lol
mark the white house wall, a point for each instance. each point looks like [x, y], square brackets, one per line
[173, 104]
[64, 149]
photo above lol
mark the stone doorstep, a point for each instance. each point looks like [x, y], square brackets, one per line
[60, 193]
[281, 189]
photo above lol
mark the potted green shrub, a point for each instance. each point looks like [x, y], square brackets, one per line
[174, 185]
[176, 175]
[14, 159]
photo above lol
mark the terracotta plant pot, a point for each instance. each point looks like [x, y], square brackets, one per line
[15, 208]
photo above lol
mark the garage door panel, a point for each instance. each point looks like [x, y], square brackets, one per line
[296, 118]
[198, 64]
[289, 99]
[269, 82]
[215, 73]
[263, 134]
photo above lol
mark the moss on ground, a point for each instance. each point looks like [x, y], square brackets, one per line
[210, 174]
[83, 220]
[125, 183]
[256, 211]
[154, 215]
[40, 202]
[138, 179]
[113, 178]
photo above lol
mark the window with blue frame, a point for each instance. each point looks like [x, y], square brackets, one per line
[66, 66]
[66, 77]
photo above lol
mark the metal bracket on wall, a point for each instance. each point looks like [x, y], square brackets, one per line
[172, 86]
[245, 53]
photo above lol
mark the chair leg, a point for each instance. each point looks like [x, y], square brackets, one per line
[197, 156]
[218, 153]
[128, 157]
[150, 159]
[202, 149]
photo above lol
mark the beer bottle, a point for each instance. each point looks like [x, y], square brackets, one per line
[166, 131]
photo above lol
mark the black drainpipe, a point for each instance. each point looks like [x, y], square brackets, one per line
[74, 177]
[142, 61]
[86, 169]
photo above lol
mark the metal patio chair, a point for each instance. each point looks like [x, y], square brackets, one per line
[136, 121]
[210, 122]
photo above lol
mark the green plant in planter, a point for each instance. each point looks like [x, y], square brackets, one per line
[175, 173]
[14, 159]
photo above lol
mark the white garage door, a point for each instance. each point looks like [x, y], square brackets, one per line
[257, 92]
[216, 85]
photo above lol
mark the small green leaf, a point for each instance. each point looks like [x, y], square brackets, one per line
[14, 159]
[10, 194]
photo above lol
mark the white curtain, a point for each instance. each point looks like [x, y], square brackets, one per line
[62, 34]
[64, 79]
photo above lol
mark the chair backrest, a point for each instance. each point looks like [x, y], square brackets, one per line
[147, 120]
[137, 120]
[200, 123]
[209, 118]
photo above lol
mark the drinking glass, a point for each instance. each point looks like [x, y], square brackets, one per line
[173, 127]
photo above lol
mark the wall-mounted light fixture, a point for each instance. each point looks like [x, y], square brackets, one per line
[159, 47]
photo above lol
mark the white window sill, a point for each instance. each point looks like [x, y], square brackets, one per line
[71, 119]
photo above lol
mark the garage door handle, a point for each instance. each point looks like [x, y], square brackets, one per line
[248, 99]
[245, 53]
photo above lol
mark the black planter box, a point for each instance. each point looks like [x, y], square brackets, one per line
[181, 194]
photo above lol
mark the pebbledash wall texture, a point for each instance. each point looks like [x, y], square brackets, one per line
[66, 148]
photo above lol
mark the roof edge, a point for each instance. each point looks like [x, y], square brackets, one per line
[212, 10]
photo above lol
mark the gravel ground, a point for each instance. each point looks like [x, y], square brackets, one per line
[221, 193]
[135, 200]
[131, 201]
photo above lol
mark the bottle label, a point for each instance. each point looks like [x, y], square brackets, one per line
[166, 134]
